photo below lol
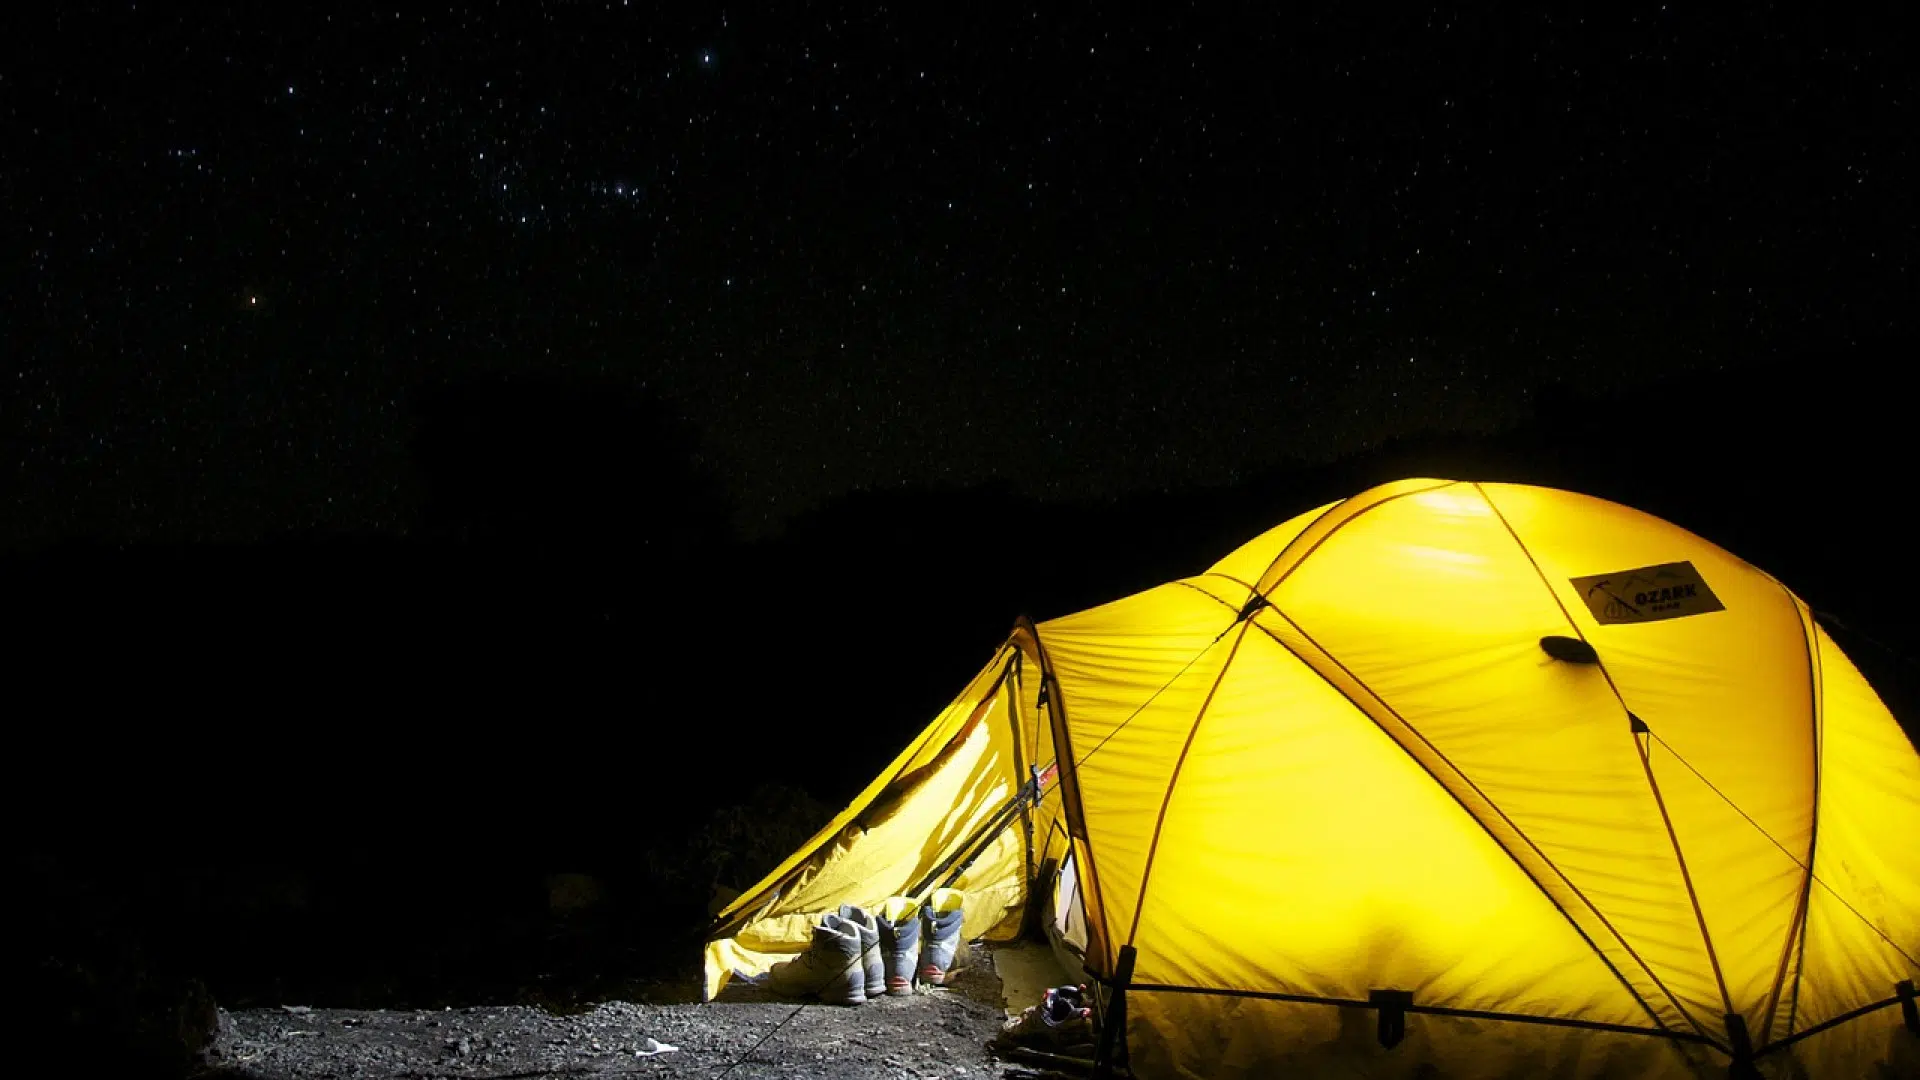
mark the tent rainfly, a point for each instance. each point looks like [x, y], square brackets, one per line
[1487, 779]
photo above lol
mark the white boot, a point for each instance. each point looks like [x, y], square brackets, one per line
[869, 930]
[831, 967]
[899, 943]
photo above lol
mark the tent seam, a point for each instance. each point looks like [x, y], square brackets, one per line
[1186, 583]
[1223, 577]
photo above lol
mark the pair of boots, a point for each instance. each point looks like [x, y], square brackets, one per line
[856, 956]
[1061, 1024]
[924, 934]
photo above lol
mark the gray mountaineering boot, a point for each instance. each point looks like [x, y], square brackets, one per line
[869, 929]
[940, 946]
[847, 977]
[831, 966]
[899, 943]
[803, 975]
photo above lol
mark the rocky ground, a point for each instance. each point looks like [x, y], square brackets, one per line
[746, 1034]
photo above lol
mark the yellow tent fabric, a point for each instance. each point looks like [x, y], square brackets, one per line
[938, 815]
[1545, 783]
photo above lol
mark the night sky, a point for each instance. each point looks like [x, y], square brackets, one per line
[1091, 255]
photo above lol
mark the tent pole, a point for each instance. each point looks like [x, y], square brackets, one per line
[967, 853]
[981, 841]
[1113, 1022]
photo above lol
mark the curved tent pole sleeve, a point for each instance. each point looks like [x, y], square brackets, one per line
[1336, 517]
[1796, 942]
[1025, 768]
[1099, 949]
[1903, 997]
[1010, 676]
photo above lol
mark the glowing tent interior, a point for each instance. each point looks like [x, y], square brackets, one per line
[1496, 779]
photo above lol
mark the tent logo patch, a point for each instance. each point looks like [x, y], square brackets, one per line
[1648, 594]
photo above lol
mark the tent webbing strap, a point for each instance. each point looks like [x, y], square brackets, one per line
[1381, 1001]
[1816, 1029]
[1904, 997]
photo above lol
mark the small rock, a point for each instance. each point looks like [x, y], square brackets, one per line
[654, 1046]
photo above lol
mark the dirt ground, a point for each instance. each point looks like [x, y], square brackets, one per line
[746, 1034]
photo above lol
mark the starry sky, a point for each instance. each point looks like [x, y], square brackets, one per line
[1086, 254]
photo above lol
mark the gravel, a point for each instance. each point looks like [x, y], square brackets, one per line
[746, 1035]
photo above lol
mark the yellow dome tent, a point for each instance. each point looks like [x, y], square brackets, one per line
[1490, 779]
